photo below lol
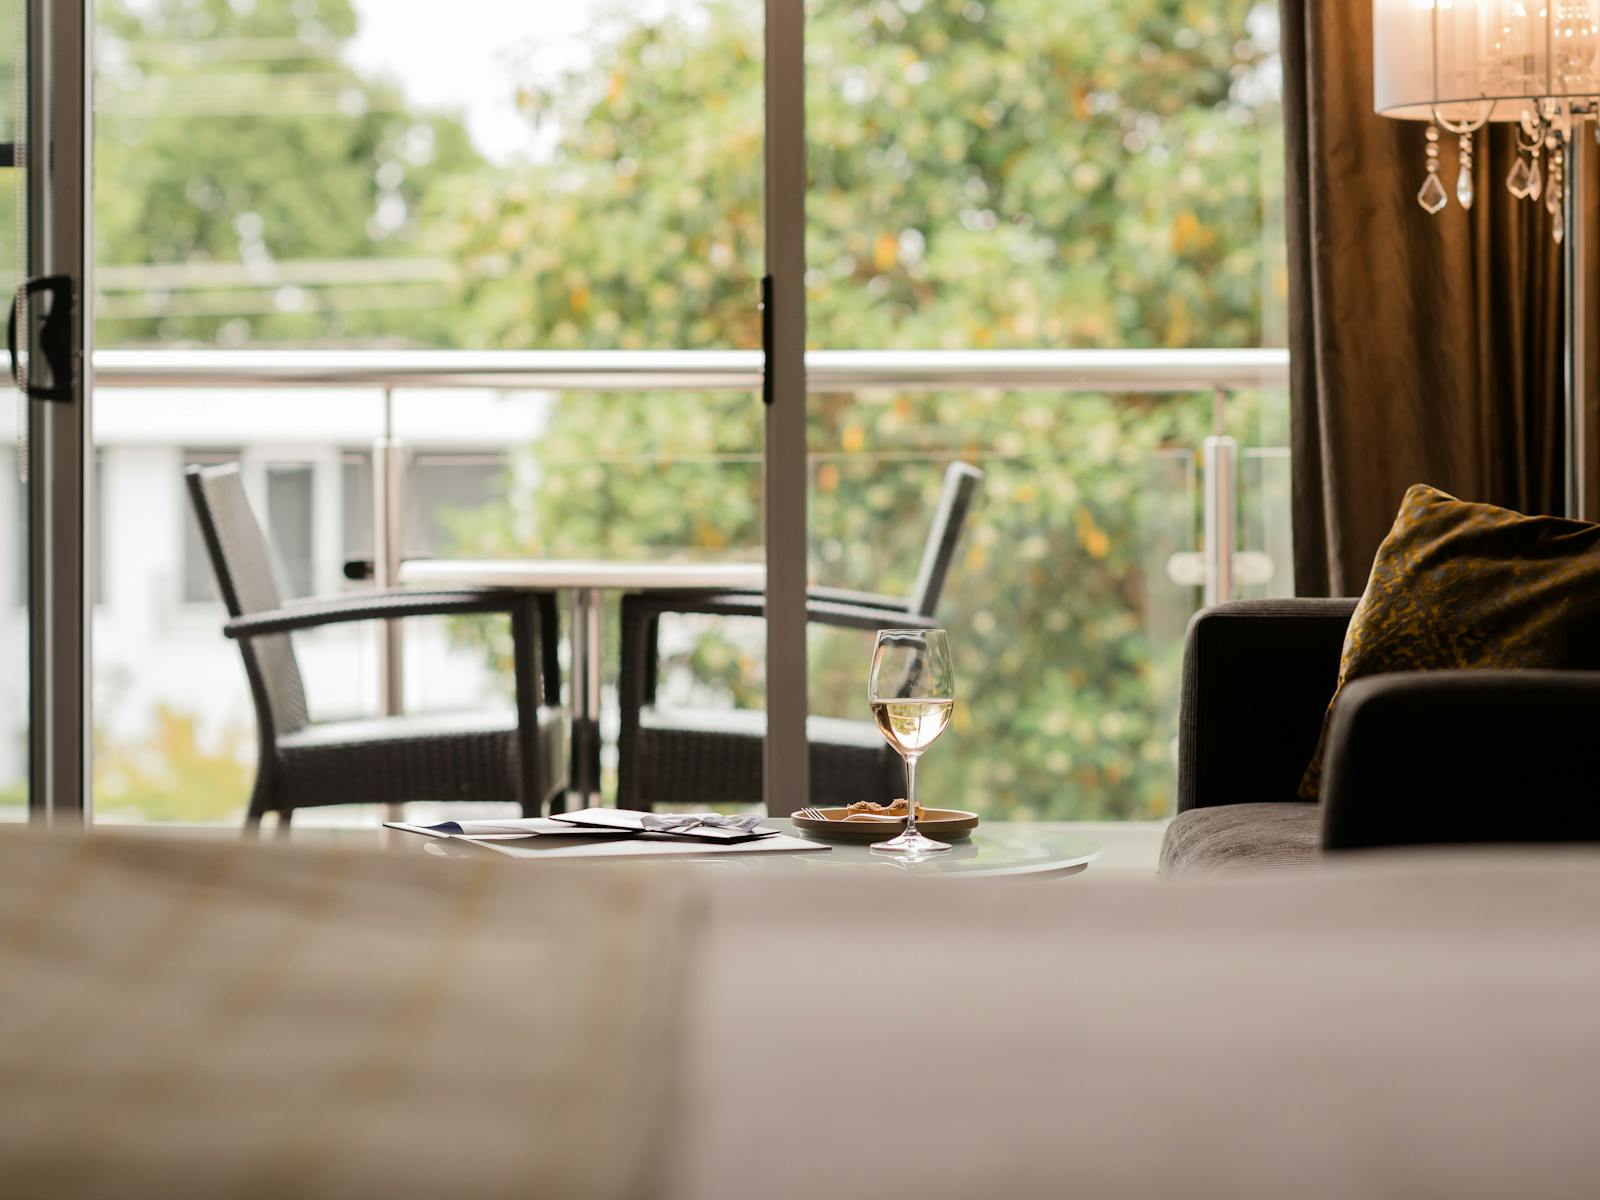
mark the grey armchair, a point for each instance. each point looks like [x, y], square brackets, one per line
[1419, 758]
[517, 755]
[680, 756]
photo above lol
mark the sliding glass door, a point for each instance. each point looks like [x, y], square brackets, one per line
[523, 252]
[564, 266]
[43, 747]
[1045, 244]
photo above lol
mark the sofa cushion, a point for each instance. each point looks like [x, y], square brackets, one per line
[1461, 586]
[1242, 836]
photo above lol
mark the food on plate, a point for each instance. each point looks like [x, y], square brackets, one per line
[865, 808]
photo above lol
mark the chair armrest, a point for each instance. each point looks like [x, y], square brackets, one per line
[1257, 678]
[372, 606]
[1463, 756]
[874, 600]
[863, 599]
[865, 616]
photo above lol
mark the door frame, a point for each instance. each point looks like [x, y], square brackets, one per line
[56, 153]
[787, 759]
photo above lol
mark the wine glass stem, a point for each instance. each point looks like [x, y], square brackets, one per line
[911, 795]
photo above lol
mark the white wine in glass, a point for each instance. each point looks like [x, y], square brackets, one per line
[911, 692]
[911, 726]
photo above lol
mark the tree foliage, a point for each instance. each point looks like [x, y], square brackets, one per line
[234, 133]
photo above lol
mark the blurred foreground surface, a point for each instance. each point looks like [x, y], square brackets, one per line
[195, 1017]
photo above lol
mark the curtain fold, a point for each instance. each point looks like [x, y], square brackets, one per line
[1425, 349]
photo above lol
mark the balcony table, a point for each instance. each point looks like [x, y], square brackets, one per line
[585, 579]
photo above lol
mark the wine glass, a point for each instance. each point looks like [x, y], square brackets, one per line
[912, 693]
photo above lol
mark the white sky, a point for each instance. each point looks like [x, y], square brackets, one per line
[470, 55]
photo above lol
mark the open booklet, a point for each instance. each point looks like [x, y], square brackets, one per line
[614, 832]
[513, 829]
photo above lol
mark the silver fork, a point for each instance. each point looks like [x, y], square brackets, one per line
[813, 814]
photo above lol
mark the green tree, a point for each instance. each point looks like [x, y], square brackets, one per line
[234, 135]
[173, 776]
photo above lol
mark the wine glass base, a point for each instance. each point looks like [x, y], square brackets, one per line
[910, 843]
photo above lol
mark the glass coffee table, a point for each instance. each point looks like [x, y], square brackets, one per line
[1004, 848]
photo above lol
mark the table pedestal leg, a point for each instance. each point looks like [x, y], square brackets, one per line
[585, 774]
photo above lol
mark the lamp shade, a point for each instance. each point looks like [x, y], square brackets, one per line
[1473, 60]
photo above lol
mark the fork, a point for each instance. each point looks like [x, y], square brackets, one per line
[813, 814]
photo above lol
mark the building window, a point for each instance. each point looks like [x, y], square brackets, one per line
[290, 532]
[442, 486]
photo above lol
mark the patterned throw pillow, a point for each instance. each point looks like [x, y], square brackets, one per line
[1457, 585]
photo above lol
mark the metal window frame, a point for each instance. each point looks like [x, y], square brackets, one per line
[785, 783]
[60, 473]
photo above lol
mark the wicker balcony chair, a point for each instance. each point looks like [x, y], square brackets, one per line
[682, 756]
[517, 755]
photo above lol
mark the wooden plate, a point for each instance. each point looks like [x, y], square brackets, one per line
[943, 824]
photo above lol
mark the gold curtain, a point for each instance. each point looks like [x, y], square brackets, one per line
[1426, 349]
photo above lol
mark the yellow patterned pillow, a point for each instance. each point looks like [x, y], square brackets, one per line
[1457, 585]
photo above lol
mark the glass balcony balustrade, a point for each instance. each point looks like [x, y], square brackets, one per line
[1079, 569]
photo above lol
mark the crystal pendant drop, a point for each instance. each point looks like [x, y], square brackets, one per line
[1517, 181]
[1558, 230]
[1535, 183]
[1464, 192]
[1432, 195]
[1552, 195]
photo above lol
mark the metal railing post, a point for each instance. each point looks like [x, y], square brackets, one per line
[389, 462]
[1221, 506]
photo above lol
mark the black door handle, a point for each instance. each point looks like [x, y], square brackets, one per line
[53, 346]
[767, 348]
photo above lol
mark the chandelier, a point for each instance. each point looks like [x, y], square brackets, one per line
[1461, 64]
